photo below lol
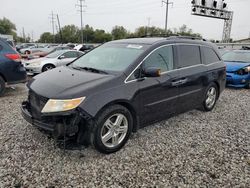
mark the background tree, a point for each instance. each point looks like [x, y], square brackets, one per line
[70, 33]
[7, 27]
[88, 34]
[119, 32]
[185, 31]
[150, 31]
[100, 36]
[46, 37]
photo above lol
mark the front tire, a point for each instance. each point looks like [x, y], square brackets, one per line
[248, 85]
[2, 86]
[211, 96]
[27, 52]
[48, 67]
[112, 129]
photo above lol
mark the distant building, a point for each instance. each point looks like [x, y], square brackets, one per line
[247, 40]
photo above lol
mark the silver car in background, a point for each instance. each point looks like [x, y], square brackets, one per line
[55, 59]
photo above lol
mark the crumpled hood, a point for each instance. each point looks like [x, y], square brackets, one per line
[66, 83]
[234, 66]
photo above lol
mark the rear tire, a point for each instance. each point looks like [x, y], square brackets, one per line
[2, 86]
[112, 129]
[211, 97]
[48, 67]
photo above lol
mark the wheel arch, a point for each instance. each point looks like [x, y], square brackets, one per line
[218, 87]
[1, 75]
[126, 104]
[48, 64]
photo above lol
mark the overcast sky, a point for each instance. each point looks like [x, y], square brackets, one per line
[34, 15]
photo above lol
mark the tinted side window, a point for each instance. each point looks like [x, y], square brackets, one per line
[78, 54]
[209, 55]
[161, 58]
[189, 55]
[70, 55]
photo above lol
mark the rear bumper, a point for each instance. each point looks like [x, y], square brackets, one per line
[18, 75]
[28, 117]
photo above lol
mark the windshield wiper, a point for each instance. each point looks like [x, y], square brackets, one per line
[91, 69]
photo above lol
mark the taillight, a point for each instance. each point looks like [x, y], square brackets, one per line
[14, 57]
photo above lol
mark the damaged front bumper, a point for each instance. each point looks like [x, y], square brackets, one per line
[64, 124]
[25, 108]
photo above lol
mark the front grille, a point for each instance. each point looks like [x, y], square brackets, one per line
[37, 103]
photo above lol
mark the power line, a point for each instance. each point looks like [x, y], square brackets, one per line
[81, 5]
[166, 20]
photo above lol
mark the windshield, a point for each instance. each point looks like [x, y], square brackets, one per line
[237, 56]
[54, 54]
[110, 57]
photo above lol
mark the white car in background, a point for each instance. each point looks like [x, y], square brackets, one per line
[55, 59]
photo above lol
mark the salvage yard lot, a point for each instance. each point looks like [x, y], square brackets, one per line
[193, 149]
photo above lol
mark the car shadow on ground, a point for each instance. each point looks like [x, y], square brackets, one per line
[235, 88]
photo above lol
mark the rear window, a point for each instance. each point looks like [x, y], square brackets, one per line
[4, 45]
[189, 55]
[209, 56]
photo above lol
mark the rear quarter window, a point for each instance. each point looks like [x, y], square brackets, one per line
[189, 55]
[209, 55]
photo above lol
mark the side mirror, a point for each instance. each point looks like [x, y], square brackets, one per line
[61, 57]
[152, 72]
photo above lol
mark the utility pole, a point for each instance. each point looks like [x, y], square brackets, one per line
[147, 28]
[166, 20]
[81, 11]
[32, 36]
[24, 35]
[53, 24]
[59, 25]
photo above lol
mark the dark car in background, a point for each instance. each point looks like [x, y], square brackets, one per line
[11, 68]
[124, 85]
[238, 68]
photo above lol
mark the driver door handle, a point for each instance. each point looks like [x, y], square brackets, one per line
[179, 82]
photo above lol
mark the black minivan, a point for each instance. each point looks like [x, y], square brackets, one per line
[103, 96]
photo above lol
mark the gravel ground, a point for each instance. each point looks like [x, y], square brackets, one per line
[194, 149]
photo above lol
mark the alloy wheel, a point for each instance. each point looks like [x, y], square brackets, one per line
[48, 68]
[114, 130]
[211, 97]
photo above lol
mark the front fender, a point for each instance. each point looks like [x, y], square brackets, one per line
[123, 93]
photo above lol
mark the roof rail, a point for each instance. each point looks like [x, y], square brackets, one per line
[186, 37]
[158, 35]
[171, 36]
